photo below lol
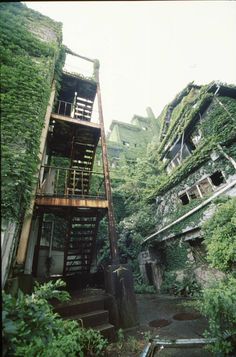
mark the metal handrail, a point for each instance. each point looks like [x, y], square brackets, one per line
[70, 169]
[71, 110]
[61, 181]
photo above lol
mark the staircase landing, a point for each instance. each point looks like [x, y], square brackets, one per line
[71, 202]
[88, 308]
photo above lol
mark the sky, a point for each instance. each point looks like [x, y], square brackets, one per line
[148, 50]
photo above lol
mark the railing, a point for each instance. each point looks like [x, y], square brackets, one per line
[64, 108]
[82, 109]
[66, 182]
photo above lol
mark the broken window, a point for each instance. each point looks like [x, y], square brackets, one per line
[193, 193]
[205, 186]
[185, 151]
[125, 143]
[169, 168]
[184, 198]
[196, 137]
[217, 178]
[47, 231]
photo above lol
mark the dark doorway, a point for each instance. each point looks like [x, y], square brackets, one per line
[148, 267]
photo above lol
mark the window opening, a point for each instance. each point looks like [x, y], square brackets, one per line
[217, 178]
[205, 186]
[184, 198]
[46, 233]
[196, 137]
[125, 143]
[193, 193]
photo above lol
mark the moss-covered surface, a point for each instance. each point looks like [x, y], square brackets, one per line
[31, 56]
[217, 127]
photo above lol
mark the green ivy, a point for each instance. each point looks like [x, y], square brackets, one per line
[218, 304]
[219, 234]
[27, 71]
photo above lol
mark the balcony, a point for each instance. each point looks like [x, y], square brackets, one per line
[70, 187]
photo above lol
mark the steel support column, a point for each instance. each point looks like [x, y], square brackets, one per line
[111, 218]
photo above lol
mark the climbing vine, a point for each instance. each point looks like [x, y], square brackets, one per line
[28, 65]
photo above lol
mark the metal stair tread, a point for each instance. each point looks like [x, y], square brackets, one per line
[103, 327]
[87, 314]
[82, 300]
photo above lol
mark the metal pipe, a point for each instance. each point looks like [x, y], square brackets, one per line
[111, 217]
[77, 55]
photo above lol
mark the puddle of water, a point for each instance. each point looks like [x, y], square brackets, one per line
[184, 316]
[159, 323]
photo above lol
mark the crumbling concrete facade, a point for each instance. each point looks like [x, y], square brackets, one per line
[197, 150]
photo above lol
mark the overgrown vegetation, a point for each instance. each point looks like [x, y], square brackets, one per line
[30, 55]
[31, 328]
[219, 234]
[219, 300]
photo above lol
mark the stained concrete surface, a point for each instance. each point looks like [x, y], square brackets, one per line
[160, 307]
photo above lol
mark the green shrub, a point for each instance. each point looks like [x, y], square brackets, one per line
[144, 289]
[31, 328]
[219, 305]
[219, 234]
[140, 287]
[219, 300]
[187, 287]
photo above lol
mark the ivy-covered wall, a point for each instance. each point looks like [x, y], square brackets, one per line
[167, 213]
[217, 127]
[32, 55]
[211, 111]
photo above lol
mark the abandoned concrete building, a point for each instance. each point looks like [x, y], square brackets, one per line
[198, 151]
[56, 178]
[128, 140]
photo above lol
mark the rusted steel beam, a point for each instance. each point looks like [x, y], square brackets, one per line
[71, 202]
[111, 217]
[77, 55]
[75, 121]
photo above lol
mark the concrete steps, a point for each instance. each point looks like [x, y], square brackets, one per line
[90, 313]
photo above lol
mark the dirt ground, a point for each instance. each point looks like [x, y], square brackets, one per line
[161, 316]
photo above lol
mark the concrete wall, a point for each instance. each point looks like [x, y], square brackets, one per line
[8, 231]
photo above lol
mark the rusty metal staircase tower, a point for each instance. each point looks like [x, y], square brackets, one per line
[72, 190]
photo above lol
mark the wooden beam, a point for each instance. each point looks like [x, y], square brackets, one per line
[71, 202]
[75, 121]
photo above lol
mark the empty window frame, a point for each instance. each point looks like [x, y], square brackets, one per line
[196, 137]
[47, 233]
[125, 143]
[184, 198]
[217, 178]
[194, 193]
[179, 157]
[205, 186]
